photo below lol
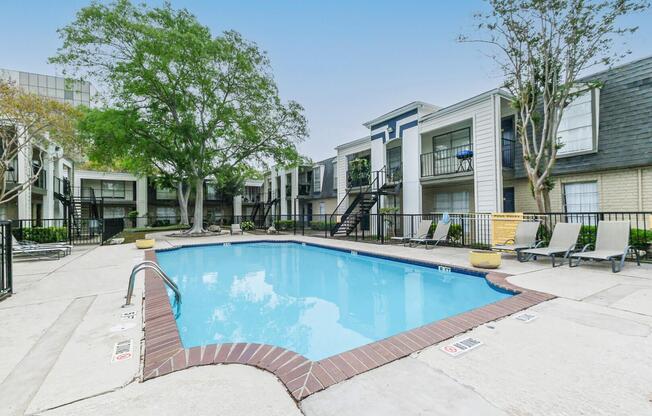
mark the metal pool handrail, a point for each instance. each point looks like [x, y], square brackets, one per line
[148, 264]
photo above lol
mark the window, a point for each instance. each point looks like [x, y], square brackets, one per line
[581, 197]
[316, 179]
[394, 164]
[577, 132]
[114, 212]
[165, 193]
[211, 192]
[452, 202]
[322, 208]
[453, 139]
[113, 189]
[166, 214]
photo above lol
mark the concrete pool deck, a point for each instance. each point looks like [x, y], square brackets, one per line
[588, 352]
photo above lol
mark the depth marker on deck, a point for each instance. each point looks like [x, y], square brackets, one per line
[460, 347]
[122, 351]
[526, 317]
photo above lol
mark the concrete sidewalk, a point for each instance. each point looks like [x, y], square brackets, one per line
[587, 352]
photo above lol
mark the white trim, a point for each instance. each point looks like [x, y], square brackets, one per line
[415, 105]
[463, 104]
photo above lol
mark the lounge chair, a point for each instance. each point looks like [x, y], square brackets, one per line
[525, 237]
[440, 234]
[563, 241]
[422, 232]
[611, 243]
[235, 229]
[30, 248]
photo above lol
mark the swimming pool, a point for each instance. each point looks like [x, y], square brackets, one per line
[313, 300]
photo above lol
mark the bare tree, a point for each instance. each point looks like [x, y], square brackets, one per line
[26, 121]
[543, 47]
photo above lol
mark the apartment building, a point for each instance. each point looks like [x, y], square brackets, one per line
[466, 157]
[308, 191]
[42, 199]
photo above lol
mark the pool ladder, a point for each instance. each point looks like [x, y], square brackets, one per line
[147, 264]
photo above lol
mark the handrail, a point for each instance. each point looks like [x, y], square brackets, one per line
[369, 188]
[148, 264]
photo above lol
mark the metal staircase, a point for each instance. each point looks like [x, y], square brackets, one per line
[78, 210]
[360, 208]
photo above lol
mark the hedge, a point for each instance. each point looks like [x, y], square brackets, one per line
[43, 234]
[283, 225]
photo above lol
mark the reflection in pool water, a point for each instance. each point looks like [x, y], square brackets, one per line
[312, 300]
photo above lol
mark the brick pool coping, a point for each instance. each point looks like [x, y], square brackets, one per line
[164, 353]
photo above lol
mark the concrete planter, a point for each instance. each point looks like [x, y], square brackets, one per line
[484, 259]
[145, 243]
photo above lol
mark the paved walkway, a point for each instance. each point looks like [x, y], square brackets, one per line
[587, 352]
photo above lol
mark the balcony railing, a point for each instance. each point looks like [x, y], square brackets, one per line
[509, 147]
[103, 193]
[357, 180]
[305, 189]
[41, 181]
[394, 174]
[443, 162]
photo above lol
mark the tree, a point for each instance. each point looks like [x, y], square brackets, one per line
[26, 121]
[543, 47]
[194, 105]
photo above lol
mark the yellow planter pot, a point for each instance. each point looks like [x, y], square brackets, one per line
[485, 259]
[145, 243]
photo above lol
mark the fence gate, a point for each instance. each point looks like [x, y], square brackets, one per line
[112, 227]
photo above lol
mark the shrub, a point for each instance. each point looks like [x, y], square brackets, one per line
[44, 234]
[283, 225]
[132, 215]
[318, 225]
[247, 225]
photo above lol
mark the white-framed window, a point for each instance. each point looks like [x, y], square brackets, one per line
[316, 179]
[165, 193]
[322, 208]
[452, 202]
[166, 214]
[578, 128]
[114, 212]
[581, 197]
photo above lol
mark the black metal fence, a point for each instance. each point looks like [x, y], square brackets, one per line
[112, 227]
[473, 230]
[6, 276]
[59, 230]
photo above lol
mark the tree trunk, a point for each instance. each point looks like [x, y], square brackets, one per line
[198, 226]
[546, 200]
[183, 197]
[539, 198]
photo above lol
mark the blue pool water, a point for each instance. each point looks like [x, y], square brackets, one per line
[315, 301]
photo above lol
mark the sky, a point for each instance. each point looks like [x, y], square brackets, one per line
[346, 62]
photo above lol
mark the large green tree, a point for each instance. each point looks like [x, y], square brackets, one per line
[543, 47]
[184, 103]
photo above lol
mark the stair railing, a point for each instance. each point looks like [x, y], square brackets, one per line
[373, 186]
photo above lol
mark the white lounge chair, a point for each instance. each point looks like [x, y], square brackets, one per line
[235, 229]
[525, 237]
[611, 243]
[440, 234]
[563, 241]
[31, 248]
[422, 232]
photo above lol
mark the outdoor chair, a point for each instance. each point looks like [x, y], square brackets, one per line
[440, 234]
[611, 243]
[30, 248]
[563, 242]
[422, 232]
[525, 237]
[235, 229]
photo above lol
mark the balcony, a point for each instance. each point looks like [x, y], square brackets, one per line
[457, 159]
[116, 193]
[305, 189]
[357, 180]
